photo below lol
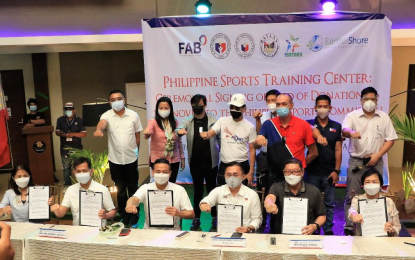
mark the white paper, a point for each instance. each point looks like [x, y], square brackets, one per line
[90, 203]
[38, 202]
[294, 215]
[157, 203]
[374, 217]
[229, 218]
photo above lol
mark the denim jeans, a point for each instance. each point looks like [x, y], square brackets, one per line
[66, 163]
[322, 184]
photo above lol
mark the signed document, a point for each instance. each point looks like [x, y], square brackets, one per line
[229, 218]
[90, 203]
[38, 203]
[294, 215]
[374, 217]
[157, 203]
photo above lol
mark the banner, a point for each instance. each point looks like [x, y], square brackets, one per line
[4, 139]
[305, 55]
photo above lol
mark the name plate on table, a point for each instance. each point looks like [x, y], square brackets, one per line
[305, 244]
[54, 233]
[228, 241]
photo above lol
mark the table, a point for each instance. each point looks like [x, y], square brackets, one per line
[19, 233]
[258, 247]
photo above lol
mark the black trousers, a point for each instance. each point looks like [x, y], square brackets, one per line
[200, 173]
[125, 177]
[174, 171]
[222, 168]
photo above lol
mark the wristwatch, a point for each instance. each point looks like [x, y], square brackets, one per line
[251, 230]
[337, 171]
[318, 228]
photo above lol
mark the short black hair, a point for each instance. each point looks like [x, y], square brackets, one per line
[117, 91]
[323, 97]
[293, 161]
[369, 172]
[162, 161]
[367, 91]
[82, 160]
[31, 100]
[13, 184]
[196, 99]
[235, 164]
[272, 92]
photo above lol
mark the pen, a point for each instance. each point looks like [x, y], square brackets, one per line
[409, 243]
[217, 235]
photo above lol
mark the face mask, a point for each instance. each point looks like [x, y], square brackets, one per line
[372, 188]
[283, 111]
[197, 110]
[83, 177]
[235, 114]
[117, 105]
[68, 113]
[322, 112]
[161, 178]
[22, 182]
[233, 182]
[33, 108]
[292, 179]
[164, 113]
[369, 106]
[272, 107]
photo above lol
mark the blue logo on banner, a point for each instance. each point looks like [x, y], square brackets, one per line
[316, 43]
[245, 45]
[220, 46]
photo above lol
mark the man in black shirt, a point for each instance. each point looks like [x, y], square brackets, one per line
[70, 129]
[203, 154]
[34, 118]
[294, 186]
[324, 171]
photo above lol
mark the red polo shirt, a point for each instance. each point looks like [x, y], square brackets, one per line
[297, 135]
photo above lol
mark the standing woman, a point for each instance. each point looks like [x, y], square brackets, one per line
[16, 200]
[165, 143]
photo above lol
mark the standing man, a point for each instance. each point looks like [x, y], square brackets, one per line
[323, 172]
[70, 129]
[203, 154]
[123, 126]
[236, 133]
[286, 136]
[371, 135]
[34, 118]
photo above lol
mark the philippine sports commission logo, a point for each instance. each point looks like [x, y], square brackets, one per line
[245, 45]
[316, 43]
[220, 46]
[269, 45]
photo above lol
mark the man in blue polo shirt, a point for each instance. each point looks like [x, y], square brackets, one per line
[70, 129]
[323, 172]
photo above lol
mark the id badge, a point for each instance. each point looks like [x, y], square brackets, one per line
[69, 139]
[200, 129]
[18, 201]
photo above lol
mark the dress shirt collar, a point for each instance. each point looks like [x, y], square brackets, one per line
[241, 191]
[361, 113]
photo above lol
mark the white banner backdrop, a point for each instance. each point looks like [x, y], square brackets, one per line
[301, 54]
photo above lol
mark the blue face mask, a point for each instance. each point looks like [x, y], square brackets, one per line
[117, 105]
[283, 111]
[33, 108]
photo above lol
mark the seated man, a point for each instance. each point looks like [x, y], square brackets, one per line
[182, 207]
[83, 173]
[235, 193]
[294, 186]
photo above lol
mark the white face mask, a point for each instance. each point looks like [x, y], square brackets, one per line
[22, 182]
[372, 188]
[233, 182]
[292, 179]
[83, 177]
[117, 105]
[164, 113]
[369, 106]
[272, 107]
[68, 113]
[322, 112]
[161, 178]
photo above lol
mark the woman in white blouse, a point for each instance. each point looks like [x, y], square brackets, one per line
[16, 200]
[372, 182]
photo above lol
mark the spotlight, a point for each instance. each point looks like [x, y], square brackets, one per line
[203, 7]
[328, 6]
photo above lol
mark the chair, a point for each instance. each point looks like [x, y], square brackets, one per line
[55, 191]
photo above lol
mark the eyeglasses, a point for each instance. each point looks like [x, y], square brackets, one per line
[372, 99]
[292, 172]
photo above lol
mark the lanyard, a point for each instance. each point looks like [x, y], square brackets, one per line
[70, 123]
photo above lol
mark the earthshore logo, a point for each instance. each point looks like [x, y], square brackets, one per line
[245, 45]
[220, 46]
[316, 43]
[269, 45]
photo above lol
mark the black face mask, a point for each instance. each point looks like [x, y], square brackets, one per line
[235, 114]
[197, 110]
